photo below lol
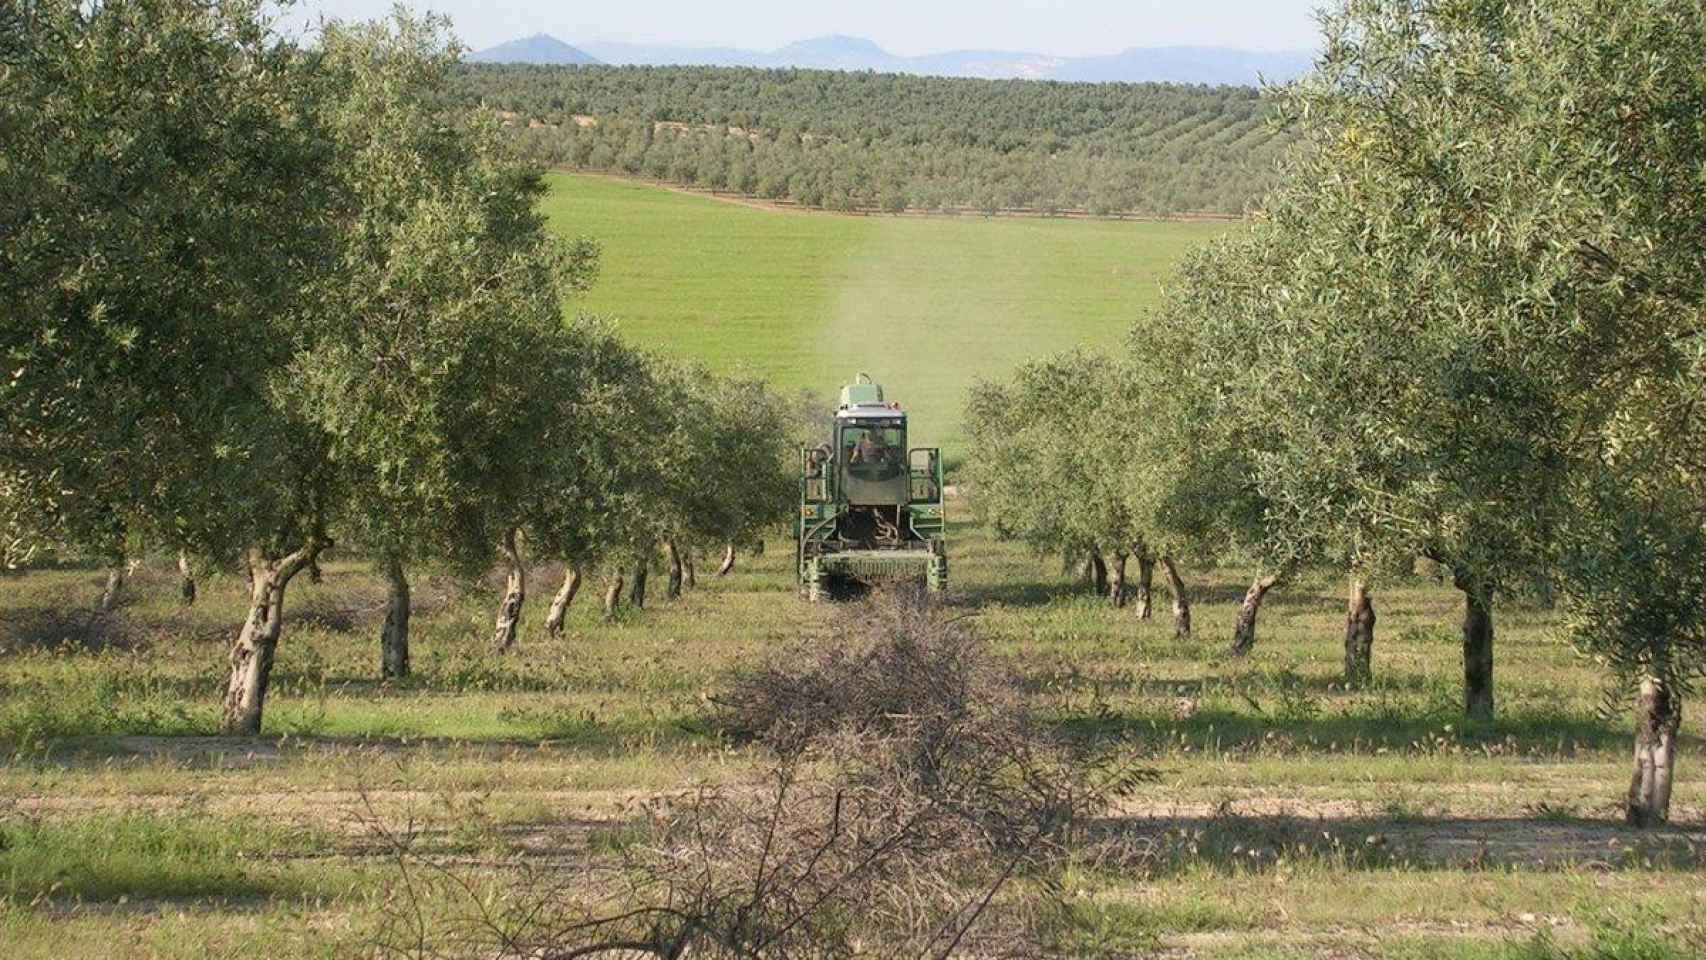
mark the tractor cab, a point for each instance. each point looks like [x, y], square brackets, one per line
[871, 508]
[870, 447]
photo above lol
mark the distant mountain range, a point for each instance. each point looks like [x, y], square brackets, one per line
[1211, 65]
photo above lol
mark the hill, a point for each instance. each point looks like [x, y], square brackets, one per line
[806, 300]
[539, 48]
[890, 141]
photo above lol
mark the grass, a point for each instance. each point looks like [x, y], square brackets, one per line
[1287, 811]
[806, 300]
[177, 854]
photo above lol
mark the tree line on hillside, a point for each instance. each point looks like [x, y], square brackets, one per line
[257, 298]
[1469, 326]
[865, 141]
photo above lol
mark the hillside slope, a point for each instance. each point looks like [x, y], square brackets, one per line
[850, 141]
[806, 300]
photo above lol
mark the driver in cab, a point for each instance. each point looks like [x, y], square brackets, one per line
[869, 449]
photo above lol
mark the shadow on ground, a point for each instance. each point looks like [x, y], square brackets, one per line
[1168, 841]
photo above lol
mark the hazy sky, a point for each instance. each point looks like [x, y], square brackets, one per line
[907, 27]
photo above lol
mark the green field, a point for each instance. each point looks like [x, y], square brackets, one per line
[806, 300]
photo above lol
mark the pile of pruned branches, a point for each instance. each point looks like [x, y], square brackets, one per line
[908, 788]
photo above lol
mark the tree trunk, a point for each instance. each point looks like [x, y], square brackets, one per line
[1359, 635]
[1244, 630]
[687, 564]
[1099, 574]
[1477, 647]
[1658, 716]
[508, 622]
[1116, 586]
[728, 563]
[114, 585]
[1181, 600]
[637, 591]
[394, 636]
[563, 600]
[186, 580]
[676, 572]
[613, 594]
[252, 654]
[1145, 585]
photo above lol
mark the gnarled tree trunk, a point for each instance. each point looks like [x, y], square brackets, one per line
[1359, 635]
[1116, 585]
[186, 580]
[394, 635]
[1145, 584]
[508, 622]
[637, 590]
[687, 565]
[1181, 598]
[114, 586]
[1099, 574]
[1244, 629]
[257, 643]
[613, 594]
[728, 563]
[1477, 646]
[677, 574]
[1658, 717]
[563, 600]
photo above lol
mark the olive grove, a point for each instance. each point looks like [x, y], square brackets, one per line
[1467, 326]
[258, 296]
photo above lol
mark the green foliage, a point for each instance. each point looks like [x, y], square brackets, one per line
[1033, 471]
[441, 371]
[1479, 252]
[1198, 372]
[157, 200]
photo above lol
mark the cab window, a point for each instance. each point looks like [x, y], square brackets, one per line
[873, 452]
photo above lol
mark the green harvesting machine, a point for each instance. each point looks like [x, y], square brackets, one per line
[871, 509]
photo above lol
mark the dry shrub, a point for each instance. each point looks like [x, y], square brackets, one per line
[885, 664]
[910, 786]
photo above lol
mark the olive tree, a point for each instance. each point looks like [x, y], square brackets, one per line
[1634, 566]
[599, 443]
[1034, 471]
[1202, 369]
[433, 376]
[738, 478]
[162, 193]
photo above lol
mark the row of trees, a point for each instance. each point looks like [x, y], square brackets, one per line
[886, 142]
[256, 297]
[1470, 326]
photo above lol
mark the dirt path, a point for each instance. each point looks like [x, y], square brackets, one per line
[540, 820]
